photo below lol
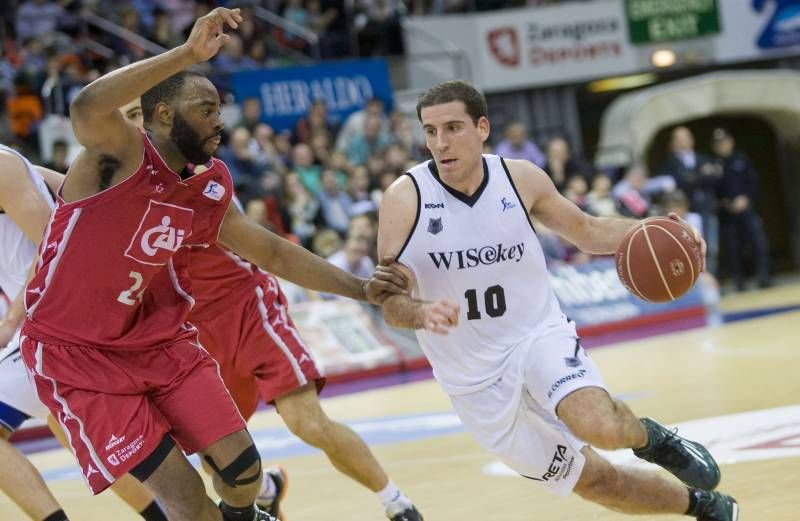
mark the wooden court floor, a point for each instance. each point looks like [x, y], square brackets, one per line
[746, 366]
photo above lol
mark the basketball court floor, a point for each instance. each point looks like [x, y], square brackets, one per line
[734, 387]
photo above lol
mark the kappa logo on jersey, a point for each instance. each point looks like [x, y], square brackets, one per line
[89, 471]
[162, 230]
[435, 225]
[472, 257]
[214, 190]
[504, 44]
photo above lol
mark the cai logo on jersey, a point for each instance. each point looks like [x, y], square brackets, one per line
[473, 257]
[162, 230]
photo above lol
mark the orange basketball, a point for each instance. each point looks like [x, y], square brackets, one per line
[658, 259]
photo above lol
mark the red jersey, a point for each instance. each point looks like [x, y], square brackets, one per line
[219, 275]
[112, 272]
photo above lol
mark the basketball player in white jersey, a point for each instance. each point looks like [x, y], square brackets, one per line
[25, 207]
[490, 324]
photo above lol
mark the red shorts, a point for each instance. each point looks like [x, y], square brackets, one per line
[258, 348]
[116, 406]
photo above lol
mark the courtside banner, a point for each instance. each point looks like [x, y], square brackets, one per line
[592, 295]
[286, 93]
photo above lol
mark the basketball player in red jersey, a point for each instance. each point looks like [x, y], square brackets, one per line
[241, 314]
[105, 336]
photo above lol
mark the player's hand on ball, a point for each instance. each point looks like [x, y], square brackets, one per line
[696, 234]
[208, 33]
[387, 280]
[440, 316]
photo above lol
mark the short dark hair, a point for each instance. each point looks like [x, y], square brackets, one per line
[455, 90]
[165, 92]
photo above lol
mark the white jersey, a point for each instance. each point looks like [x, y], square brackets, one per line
[482, 252]
[16, 251]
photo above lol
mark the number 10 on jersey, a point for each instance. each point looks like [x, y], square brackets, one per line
[494, 302]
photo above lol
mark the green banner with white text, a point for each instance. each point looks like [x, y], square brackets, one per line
[652, 21]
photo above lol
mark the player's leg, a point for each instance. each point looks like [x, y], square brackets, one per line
[21, 482]
[130, 490]
[218, 433]
[635, 491]
[348, 453]
[19, 479]
[76, 382]
[600, 420]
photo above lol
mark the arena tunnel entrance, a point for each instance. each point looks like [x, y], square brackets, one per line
[762, 111]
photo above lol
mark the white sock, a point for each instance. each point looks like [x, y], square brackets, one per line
[268, 489]
[393, 500]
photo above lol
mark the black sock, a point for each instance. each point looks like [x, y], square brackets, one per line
[58, 515]
[230, 513]
[694, 497]
[153, 512]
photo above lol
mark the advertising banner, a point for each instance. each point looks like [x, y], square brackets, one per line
[659, 21]
[286, 93]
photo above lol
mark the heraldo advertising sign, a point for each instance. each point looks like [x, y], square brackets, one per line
[570, 42]
[286, 93]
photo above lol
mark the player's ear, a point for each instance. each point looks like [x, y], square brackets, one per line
[484, 128]
[163, 113]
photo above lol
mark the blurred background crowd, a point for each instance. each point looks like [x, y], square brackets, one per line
[320, 182]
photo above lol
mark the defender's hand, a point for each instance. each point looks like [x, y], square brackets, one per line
[440, 316]
[208, 34]
[695, 234]
[387, 280]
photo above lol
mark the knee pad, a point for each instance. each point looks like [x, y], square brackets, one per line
[230, 475]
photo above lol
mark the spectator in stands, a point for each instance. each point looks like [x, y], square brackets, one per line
[377, 24]
[360, 184]
[58, 157]
[599, 201]
[315, 122]
[575, 190]
[396, 157]
[698, 177]
[232, 58]
[402, 131]
[7, 73]
[353, 257]
[630, 195]
[302, 208]
[334, 203]
[243, 163]
[354, 124]
[24, 110]
[162, 32]
[562, 164]
[251, 113]
[326, 242]
[516, 145]
[741, 225]
[256, 209]
[303, 165]
[181, 13]
[37, 18]
[63, 82]
[372, 141]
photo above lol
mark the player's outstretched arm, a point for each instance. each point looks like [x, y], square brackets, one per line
[97, 123]
[298, 265]
[598, 235]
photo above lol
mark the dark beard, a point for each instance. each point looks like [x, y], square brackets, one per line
[188, 142]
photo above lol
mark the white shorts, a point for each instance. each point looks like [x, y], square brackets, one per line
[16, 386]
[515, 418]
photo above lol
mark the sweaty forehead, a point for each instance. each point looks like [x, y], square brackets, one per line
[197, 90]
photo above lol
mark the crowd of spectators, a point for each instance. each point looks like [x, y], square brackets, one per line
[320, 183]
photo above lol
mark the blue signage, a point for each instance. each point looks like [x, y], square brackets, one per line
[286, 93]
[783, 28]
[592, 294]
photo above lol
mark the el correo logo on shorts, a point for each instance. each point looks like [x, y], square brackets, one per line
[560, 466]
[561, 381]
[162, 230]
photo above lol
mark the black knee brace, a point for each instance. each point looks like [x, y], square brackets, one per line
[230, 474]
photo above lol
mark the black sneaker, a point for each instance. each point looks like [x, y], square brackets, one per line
[687, 460]
[273, 504]
[409, 514]
[714, 506]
